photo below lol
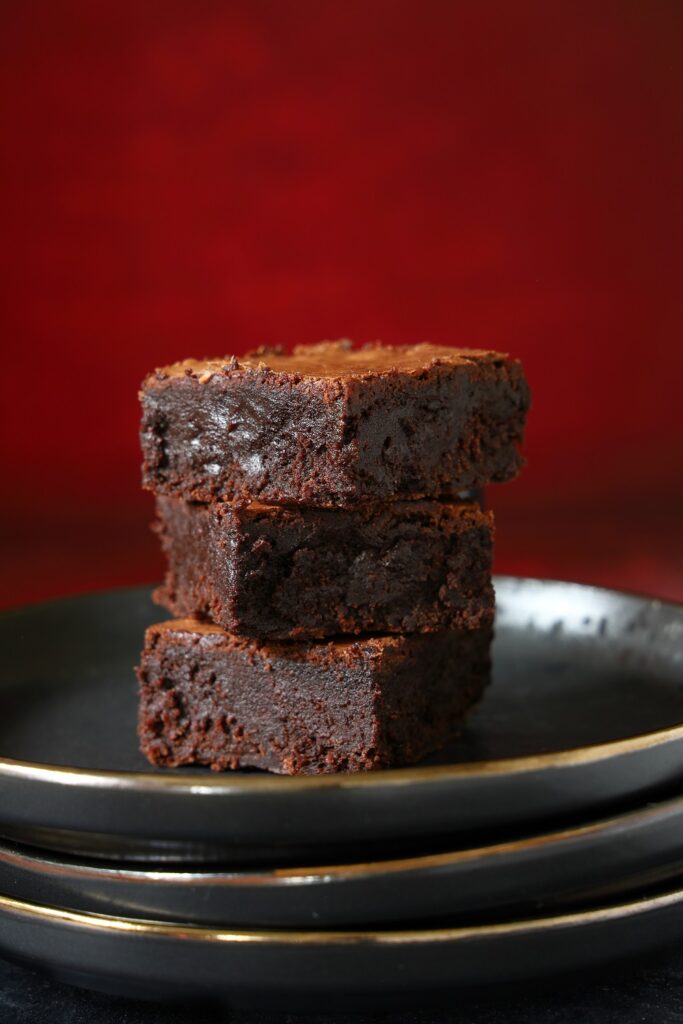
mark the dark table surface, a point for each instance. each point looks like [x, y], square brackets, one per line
[649, 991]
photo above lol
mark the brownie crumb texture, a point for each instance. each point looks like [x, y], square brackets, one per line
[330, 427]
[303, 574]
[331, 586]
[228, 702]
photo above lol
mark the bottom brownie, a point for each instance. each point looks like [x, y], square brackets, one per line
[209, 697]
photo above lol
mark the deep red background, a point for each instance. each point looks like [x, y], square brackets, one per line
[194, 178]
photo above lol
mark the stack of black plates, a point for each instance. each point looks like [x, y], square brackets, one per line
[549, 837]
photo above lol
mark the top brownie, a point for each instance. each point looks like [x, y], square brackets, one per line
[331, 426]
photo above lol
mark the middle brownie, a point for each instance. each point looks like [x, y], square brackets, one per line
[307, 573]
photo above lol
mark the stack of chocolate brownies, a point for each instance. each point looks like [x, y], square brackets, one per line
[333, 580]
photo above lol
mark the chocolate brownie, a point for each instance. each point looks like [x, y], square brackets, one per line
[305, 573]
[331, 426]
[208, 697]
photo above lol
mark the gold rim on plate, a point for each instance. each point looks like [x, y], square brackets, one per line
[186, 783]
[394, 865]
[184, 932]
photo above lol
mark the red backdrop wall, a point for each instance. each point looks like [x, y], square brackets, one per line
[196, 178]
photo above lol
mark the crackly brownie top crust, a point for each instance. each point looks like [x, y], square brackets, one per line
[330, 426]
[463, 507]
[332, 359]
[320, 652]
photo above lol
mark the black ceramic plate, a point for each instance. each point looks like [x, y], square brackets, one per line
[584, 711]
[550, 871]
[283, 967]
